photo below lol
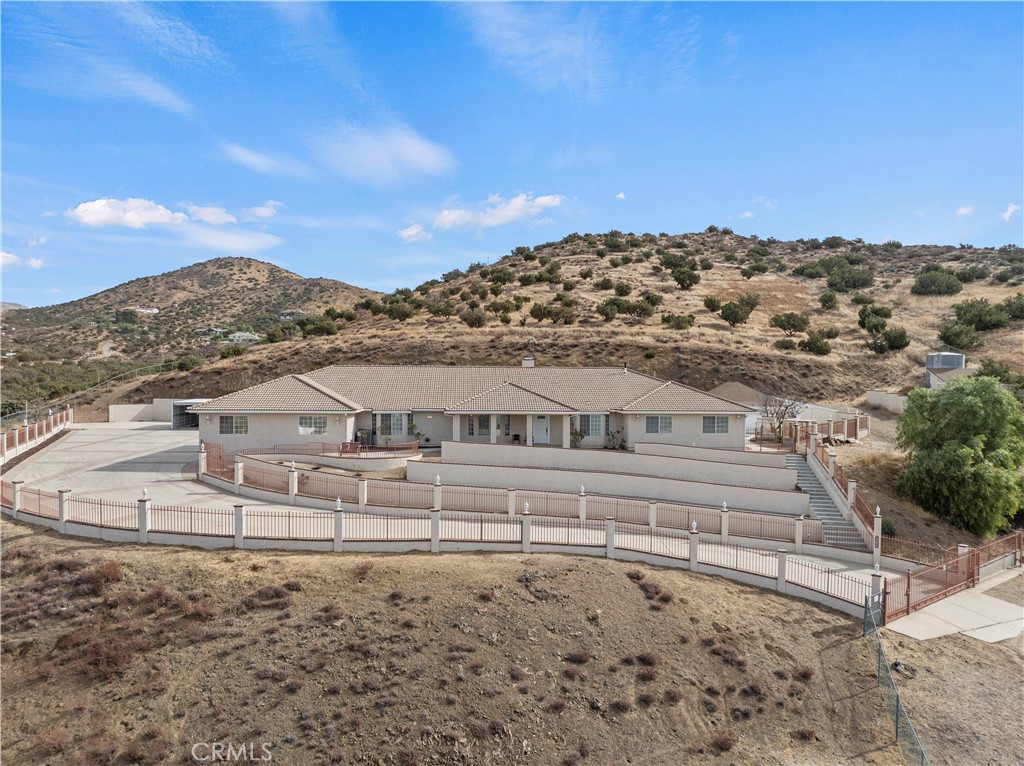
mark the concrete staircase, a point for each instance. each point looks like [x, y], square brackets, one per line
[838, 531]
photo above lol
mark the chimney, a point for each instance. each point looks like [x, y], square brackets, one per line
[528, 361]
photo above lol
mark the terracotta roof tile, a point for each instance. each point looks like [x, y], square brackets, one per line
[509, 398]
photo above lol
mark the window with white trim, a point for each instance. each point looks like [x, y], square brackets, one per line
[390, 424]
[659, 424]
[312, 425]
[234, 424]
[508, 425]
[485, 425]
[469, 426]
[716, 424]
[591, 425]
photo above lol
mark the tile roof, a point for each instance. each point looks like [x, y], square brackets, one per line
[401, 388]
[675, 397]
[509, 398]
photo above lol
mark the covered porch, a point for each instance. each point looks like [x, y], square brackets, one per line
[528, 429]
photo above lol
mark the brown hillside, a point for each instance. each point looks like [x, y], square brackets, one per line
[126, 654]
[223, 292]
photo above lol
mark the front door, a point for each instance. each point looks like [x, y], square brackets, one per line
[540, 429]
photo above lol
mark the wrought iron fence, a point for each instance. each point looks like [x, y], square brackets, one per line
[555, 531]
[186, 520]
[824, 580]
[289, 525]
[481, 528]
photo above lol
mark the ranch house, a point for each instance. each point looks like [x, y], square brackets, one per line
[527, 405]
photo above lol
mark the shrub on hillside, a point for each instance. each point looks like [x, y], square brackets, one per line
[678, 321]
[815, 343]
[981, 315]
[473, 317]
[1014, 306]
[828, 300]
[960, 336]
[712, 304]
[231, 350]
[848, 278]
[790, 322]
[685, 278]
[936, 282]
[785, 344]
[734, 313]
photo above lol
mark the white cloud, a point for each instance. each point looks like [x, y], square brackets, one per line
[37, 241]
[747, 214]
[414, 233]
[1010, 210]
[264, 163]
[497, 212]
[357, 222]
[966, 210]
[132, 212]
[229, 240]
[262, 212]
[383, 155]
[10, 260]
[163, 34]
[210, 214]
[620, 195]
[767, 203]
[115, 81]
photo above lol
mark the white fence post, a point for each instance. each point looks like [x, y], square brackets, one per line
[3, 446]
[239, 526]
[583, 504]
[437, 494]
[526, 532]
[361, 494]
[851, 496]
[694, 548]
[780, 584]
[652, 514]
[876, 538]
[831, 465]
[609, 536]
[202, 461]
[435, 530]
[62, 510]
[798, 534]
[16, 498]
[239, 476]
[339, 529]
[725, 523]
[144, 520]
[293, 485]
[511, 501]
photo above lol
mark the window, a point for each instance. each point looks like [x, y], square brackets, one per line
[469, 426]
[508, 425]
[485, 424]
[390, 424]
[591, 425]
[659, 424]
[312, 424]
[234, 424]
[716, 424]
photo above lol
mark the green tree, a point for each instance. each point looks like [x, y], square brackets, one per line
[734, 313]
[828, 300]
[711, 303]
[981, 315]
[966, 442]
[815, 343]
[959, 336]
[937, 282]
[790, 322]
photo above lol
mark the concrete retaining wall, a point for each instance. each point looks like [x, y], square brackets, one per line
[763, 459]
[622, 485]
[614, 461]
[346, 464]
[885, 401]
[130, 413]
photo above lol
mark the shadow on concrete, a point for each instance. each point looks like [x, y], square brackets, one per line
[169, 460]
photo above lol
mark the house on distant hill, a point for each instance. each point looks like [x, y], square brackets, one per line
[208, 331]
[244, 337]
[289, 314]
[527, 405]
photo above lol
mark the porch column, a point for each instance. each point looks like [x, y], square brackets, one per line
[456, 428]
[529, 430]
[494, 428]
[566, 431]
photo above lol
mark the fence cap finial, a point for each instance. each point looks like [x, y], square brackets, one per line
[878, 511]
[526, 508]
[293, 465]
[583, 490]
[878, 569]
[145, 492]
[337, 504]
[725, 506]
[437, 480]
[693, 527]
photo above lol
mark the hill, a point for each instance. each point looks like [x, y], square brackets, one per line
[122, 654]
[228, 293]
[592, 299]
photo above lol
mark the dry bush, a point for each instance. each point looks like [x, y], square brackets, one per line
[362, 569]
[578, 657]
[635, 575]
[648, 658]
[646, 675]
[621, 706]
[517, 673]
[723, 743]
[710, 705]
[673, 695]
[556, 706]
[645, 699]
[804, 735]
[805, 674]
[742, 713]
[293, 585]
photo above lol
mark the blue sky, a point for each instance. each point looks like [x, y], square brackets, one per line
[386, 143]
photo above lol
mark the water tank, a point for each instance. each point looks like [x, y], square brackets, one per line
[945, 360]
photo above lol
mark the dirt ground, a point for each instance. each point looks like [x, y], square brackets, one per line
[134, 654]
[965, 697]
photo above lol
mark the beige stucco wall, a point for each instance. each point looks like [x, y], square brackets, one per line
[269, 430]
[686, 430]
[619, 461]
[768, 459]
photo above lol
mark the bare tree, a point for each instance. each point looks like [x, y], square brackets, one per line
[777, 408]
